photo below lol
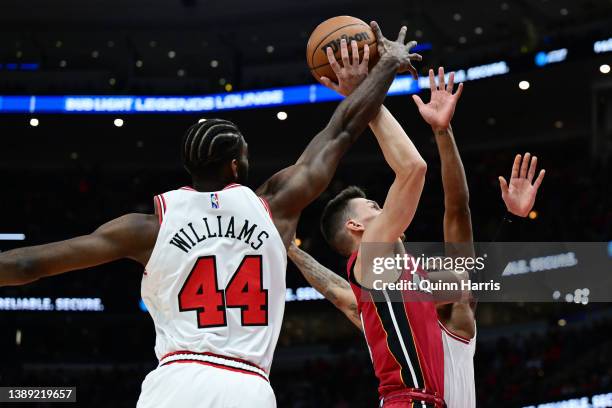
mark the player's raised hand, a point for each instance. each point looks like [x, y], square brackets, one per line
[352, 72]
[441, 107]
[520, 195]
[398, 49]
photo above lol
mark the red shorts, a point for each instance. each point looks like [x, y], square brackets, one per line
[412, 399]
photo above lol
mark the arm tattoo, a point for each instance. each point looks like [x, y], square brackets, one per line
[321, 278]
[316, 274]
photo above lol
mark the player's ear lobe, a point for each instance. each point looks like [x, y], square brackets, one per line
[235, 168]
[354, 225]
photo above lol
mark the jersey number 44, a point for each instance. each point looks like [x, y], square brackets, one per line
[201, 293]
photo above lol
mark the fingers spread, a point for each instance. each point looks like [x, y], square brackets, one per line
[525, 165]
[402, 34]
[413, 71]
[432, 80]
[516, 166]
[419, 102]
[332, 61]
[459, 91]
[366, 55]
[503, 184]
[532, 168]
[355, 51]
[377, 32]
[329, 83]
[415, 57]
[344, 53]
[451, 82]
[539, 179]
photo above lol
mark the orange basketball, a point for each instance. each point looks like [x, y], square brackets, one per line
[328, 34]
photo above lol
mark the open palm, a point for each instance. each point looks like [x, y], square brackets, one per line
[441, 107]
[520, 195]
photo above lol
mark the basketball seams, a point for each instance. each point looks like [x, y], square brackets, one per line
[329, 34]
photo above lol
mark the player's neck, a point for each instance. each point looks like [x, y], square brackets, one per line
[210, 185]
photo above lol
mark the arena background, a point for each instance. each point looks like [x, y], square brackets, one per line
[63, 174]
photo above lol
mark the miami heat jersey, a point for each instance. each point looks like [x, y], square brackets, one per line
[215, 282]
[403, 338]
[459, 383]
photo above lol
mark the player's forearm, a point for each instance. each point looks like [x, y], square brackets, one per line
[330, 285]
[457, 216]
[352, 116]
[398, 150]
[456, 193]
[17, 267]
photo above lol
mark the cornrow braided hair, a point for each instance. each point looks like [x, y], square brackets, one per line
[210, 143]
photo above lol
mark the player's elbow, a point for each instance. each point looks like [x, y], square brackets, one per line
[413, 169]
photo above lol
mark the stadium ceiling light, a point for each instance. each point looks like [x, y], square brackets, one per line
[524, 85]
[214, 63]
[270, 49]
[171, 54]
[457, 17]
[95, 54]
[462, 40]
[564, 11]
[118, 122]
[604, 69]
[34, 122]
[478, 30]
[281, 115]
[139, 63]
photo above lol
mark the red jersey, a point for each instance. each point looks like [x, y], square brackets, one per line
[404, 339]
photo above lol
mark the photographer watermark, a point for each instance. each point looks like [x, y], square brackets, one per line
[489, 272]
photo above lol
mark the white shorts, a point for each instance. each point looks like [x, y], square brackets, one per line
[194, 385]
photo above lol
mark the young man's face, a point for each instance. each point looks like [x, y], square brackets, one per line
[364, 211]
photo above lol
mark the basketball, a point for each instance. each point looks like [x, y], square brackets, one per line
[328, 34]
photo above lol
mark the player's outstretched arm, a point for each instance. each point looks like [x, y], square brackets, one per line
[438, 113]
[131, 236]
[292, 189]
[335, 289]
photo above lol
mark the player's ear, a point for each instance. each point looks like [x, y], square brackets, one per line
[353, 225]
[234, 166]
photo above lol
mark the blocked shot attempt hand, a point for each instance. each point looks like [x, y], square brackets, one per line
[397, 50]
[520, 195]
[441, 107]
[352, 72]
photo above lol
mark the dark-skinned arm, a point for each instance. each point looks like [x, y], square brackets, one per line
[131, 236]
[292, 189]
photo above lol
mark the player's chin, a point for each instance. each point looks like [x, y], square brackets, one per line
[403, 237]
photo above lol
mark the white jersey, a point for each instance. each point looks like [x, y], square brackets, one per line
[215, 283]
[459, 383]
